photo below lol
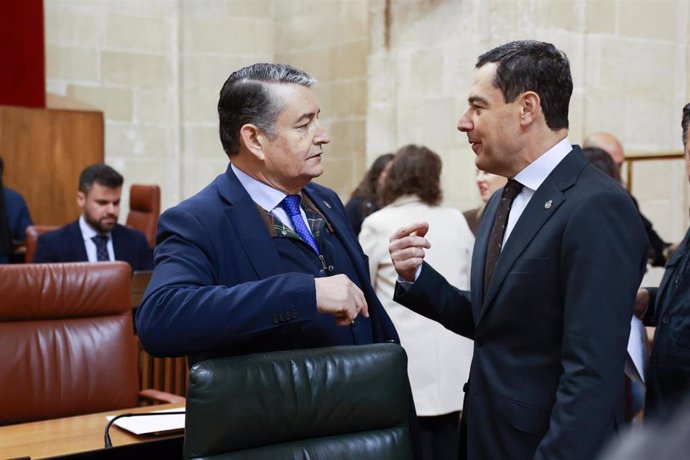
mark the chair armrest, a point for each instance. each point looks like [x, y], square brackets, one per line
[157, 396]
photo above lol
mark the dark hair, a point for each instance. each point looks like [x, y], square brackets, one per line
[246, 98]
[100, 173]
[416, 170]
[534, 66]
[368, 187]
[685, 122]
[600, 159]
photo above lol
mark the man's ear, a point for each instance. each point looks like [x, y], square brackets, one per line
[253, 140]
[530, 107]
[81, 200]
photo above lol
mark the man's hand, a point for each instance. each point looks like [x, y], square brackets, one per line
[641, 302]
[406, 248]
[340, 297]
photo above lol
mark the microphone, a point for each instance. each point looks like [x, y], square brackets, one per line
[106, 435]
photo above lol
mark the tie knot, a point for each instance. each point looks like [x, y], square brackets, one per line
[512, 189]
[99, 239]
[291, 204]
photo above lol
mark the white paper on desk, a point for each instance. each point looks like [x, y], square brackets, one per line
[149, 424]
[636, 359]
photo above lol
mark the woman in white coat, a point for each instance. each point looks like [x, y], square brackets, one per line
[439, 360]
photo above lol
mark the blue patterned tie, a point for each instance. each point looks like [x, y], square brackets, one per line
[291, 206]
[101, 242]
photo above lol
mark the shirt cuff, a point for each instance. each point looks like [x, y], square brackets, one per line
[406, 285]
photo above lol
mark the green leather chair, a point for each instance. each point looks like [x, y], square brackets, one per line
[350, 402]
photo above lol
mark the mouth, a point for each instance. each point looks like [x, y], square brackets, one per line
[475, 145]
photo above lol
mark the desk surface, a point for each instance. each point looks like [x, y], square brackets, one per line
[69, 435]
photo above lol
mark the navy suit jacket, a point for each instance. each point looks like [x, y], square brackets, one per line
[546, 379]
[668, 375]
[66, 244]
[219, 283]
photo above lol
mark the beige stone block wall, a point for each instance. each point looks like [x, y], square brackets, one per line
[329, 39]
[629, 61]
[155, 68]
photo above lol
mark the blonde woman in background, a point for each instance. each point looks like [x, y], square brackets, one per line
[487, 183]
[439, 360]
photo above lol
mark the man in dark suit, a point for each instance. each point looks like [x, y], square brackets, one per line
[554, 276]
[14, 218]
[668, 308]
[96, 236]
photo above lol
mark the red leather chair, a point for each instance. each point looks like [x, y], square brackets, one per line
[32, 234]
[67, 342]
[144, 209]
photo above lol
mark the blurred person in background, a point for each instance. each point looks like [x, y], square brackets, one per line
[14, 218]
[364, 199]
[439, 360]
[487, 183]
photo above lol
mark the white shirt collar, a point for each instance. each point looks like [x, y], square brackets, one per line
[536, 172]
[265, 196]
[88, 231]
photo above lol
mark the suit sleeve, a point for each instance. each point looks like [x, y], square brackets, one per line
[186, 309]
[603, 254]
[434, 297]
[44, 250]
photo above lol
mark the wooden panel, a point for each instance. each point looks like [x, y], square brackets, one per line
[45, 150]
[164, 374]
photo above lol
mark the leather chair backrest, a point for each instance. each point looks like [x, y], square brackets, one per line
[350, 402]
[144, 210]
[67, 343]
[32, 234]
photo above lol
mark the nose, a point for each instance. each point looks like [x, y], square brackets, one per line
[464, 123]
[322, 136]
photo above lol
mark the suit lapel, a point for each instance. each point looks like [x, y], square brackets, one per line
[250, 229]
[541, 207]
[76, 242]
[340, 228]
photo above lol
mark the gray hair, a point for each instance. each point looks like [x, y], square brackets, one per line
[246, 97]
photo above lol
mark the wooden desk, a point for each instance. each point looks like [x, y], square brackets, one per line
[70, 435]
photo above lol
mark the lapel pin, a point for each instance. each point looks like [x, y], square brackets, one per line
[548, 204]
[328, 205]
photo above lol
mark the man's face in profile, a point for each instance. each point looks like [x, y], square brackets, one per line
[100, 206]
[293, 155]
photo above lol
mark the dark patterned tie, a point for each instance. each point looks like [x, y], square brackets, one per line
[291, 206]
[510, 191]
[101, 242]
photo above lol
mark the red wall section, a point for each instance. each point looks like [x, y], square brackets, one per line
[22, 53]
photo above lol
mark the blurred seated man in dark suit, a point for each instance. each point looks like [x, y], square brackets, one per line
[14, 218]
[96, 236]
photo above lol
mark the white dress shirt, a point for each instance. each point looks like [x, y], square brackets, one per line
[89, 232]
[267, 197]
[531, 178]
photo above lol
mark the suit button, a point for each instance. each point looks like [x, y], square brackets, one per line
[665, 320]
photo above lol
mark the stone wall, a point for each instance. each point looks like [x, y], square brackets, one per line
[390, 72]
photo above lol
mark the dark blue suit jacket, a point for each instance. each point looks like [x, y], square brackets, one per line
[219, 282]
[550, 335]
[17, 215]
[66, 244]
[668, 375]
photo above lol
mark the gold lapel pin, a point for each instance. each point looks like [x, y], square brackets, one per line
[548, 204]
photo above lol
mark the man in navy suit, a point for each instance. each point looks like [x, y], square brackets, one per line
[96, 235]
[14, 218]
[668, 308]
[262, 259]
[240, 270]
[554, 276]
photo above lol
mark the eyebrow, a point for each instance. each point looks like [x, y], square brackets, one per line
[308, 116]
[475, 99]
